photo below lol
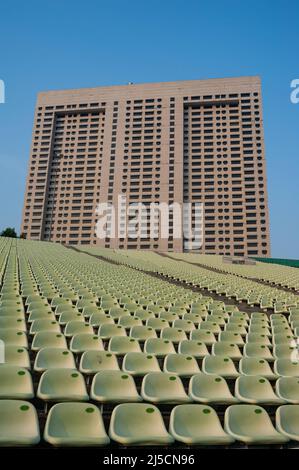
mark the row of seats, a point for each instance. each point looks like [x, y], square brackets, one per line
[115, 386]
[138, 363]
[81, 424]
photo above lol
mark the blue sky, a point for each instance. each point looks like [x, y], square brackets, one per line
[70, 44]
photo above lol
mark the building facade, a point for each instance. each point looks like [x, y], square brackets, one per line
[198, 141]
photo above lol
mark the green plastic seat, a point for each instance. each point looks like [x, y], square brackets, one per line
[99, 319]
[48, 339]
[158, 347]
[143, 315]
[259, 328]
[180, 364]
[81, 342]
[206, 388]
[196, 318]
[14, 322]
[138, 424]
[123, 344]
[12, 311]
[224, 348]
[255, 389]
[251, 424]
[40, 314]
[236, 328]
[157, 323]
[170, 317]
[68, 316]
[44, 324]
[18, 423]
[95, 361]
[219, 365]
[160, 387]
[128, 321]
[258, 338]
[113, 386]
[173, 334]
[64, 308]
[49, 358]
[286, 351]
[74, 327]
[286, 368]
[185, 325]
[17, 356]
[256, 366]
[62, 385]
[210, 326]
[257, 350]
[12, 337]
[15, 382]
[287, 421]
[197, 424]
[107, 331]
[283, 338]
[142, 333]
[204, 336]
[287, 388]
[75, 424]
[89, 311]
[138, 363]
[193, 348]
[231, 337]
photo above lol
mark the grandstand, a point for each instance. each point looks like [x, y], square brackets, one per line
[119, 348]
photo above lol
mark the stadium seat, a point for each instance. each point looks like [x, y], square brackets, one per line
[180, 364]
[287, 421]
[287, 388]
[48, 339]
[15, 382]
[223, 348]
[12, 337]
[44, 324]
[16, 356]
[123, 344]
[62, 385]
[96, 361]
[256, 366]
[158, 347]
[138, 424]
[204, 336]
[173, 334]
[193, 348]
[255, 389]
[231, 337]
[49, 358]
[257, 350]
[197, 424]
[18, 423]
[86, 342]
[160, 387]
[113, 386]
[138, 363]
[251, 424]
[75, 424]
[142, 333]
[206, 388]
[219, 365]
[107, 331]
[74, 327]
[286, 368]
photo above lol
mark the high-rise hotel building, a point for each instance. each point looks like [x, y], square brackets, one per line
[175, 142]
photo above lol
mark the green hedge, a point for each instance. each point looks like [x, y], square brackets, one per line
[294, 263]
